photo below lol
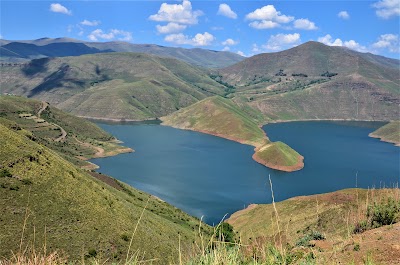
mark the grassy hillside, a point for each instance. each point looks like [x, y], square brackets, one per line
[222, 117]
[47, 201]
[315, 81]
[324, 224]
[12, 51]
[83, 139]
[111, 85]
[388, 133]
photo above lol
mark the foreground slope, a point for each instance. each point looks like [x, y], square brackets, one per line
[111, 85]
[315, 81]
[334, 216]
[12, 51]
[388, 133]
[47, 201]
[74, 138]
[221, 117]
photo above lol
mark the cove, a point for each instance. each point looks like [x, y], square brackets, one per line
[212, 177]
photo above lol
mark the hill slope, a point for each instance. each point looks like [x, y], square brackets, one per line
[68, 210]
[111, 85]
[73, 138]
[388, 133]
[334, 216]
[221, 117]
[30, 49]
[319, 82]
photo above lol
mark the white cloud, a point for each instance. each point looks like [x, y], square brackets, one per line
[328, 40]
[304, 23]
[171, 27]
[241, 53]
[389, 42]
[217, 28]
[226, 48]
[264, 24]
[199, 39]
[282, 41]
[177, 13]
[99, 34]
[269, 13]
[343, 15]
[58, 8]
[225, 10]
[229, 42]
[351, 44]
[90, 23]
[387, 8]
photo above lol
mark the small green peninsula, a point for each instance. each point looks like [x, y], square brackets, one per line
[388, 133]
[222, 117]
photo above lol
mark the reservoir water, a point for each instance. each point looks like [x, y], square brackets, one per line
[212, 177]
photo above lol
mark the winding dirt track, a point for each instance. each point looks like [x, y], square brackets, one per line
[63, 132]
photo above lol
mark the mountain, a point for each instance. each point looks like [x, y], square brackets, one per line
[111, 85]
[17, 50]
[315, 81]
[11, 51]
[48, 204]
[222, 117]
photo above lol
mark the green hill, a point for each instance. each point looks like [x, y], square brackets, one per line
[315, 81]
[83, 140]
[388, 133]
[47, 201]
[222, 117]
[111, 85]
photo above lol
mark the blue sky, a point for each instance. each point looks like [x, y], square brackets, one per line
[244, 27]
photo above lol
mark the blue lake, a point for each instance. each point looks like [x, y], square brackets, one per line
[212, 177]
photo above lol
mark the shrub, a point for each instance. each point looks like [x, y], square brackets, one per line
[225, 233]
[312, 235]
[5, 173]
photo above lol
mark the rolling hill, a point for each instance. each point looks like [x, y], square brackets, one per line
[111, 85]
[315, 81]
[222, 117]
[388, 133]
[11, 51]
[73, 138]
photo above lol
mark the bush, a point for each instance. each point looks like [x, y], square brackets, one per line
[225, 233]
[384, 213]
[5, 173]
[305, 240]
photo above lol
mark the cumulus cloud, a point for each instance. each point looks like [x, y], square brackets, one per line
[177, 13]
[241, 53]
[304, 23]
[229, 42]
[90, 23]
[225, 10]
[171, 27]
[264, 24]
[58, 8]
[114, 34]
[281, 41]
[387, 8]
[343, 15]
[389, 42]
[226, 48]
[199, 39]
[267, 17]
[351, 44]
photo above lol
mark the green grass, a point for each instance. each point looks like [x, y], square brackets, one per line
[389, 132]
[12, 106]
[279, 154]
[49, 201]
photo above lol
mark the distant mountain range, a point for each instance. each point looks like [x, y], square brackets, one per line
[309, 82]
[17, 51]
